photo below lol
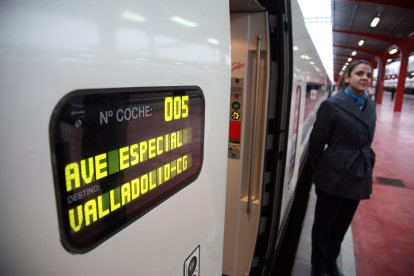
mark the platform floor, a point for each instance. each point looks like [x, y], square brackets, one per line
[383, 227]
[381, 238]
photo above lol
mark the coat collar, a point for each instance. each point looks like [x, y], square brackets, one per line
[345, 102]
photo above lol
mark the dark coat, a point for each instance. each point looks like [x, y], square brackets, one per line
[344, 167]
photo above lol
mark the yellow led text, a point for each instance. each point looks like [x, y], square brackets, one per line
[95, 209]
[97, 167]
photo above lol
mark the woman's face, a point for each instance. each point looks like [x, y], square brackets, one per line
[360, 78]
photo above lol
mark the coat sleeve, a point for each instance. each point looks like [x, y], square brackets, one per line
[321, 132]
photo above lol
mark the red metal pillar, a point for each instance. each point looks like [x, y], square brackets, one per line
[401, 78]
[380, 81]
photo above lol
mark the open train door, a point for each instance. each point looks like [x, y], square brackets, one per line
[248, 117]
[259, 117]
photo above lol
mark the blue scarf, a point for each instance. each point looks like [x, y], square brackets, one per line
[359, 100]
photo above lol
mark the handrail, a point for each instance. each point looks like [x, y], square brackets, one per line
[255, 112]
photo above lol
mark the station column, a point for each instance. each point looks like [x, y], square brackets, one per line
[401, 78]
[380, 81]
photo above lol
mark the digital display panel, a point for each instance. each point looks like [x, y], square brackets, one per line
[118, 153]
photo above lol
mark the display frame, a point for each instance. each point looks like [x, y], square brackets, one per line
[175, 143]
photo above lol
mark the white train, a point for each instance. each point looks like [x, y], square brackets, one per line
[152, 137]
[390, 84]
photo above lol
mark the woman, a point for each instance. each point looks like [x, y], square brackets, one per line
[342, 161]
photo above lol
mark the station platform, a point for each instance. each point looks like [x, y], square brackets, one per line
[380, 240]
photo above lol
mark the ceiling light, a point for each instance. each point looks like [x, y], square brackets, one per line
[354, 53]
[295, 48]
[389, 60]
[375, 21]
[349, 59]
[393, 51]
[361, 42]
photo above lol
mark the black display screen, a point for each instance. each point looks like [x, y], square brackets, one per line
[118, 153]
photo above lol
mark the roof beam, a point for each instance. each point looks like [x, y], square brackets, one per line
[342, 55]
[368, 51]
[370, 35]
[358, 55]
[340, 61]
[337, 57]
[404, 4]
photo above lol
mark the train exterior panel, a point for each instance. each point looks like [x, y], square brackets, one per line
[49, 49]
[309, 89]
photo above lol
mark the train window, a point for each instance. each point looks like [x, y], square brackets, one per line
[118, 153]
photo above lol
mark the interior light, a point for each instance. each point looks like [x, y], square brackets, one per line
[354, 53]
[295, 48]
[389, 60]
[349, 59]
[393, 51]
[361, 42]
[375, 21]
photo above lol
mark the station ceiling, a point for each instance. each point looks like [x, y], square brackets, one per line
[351, 24]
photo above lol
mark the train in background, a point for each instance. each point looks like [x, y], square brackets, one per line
[152, 138]
[390, 84]
[391, 76]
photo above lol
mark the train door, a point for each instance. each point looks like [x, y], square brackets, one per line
[248, 111]
[259, 117]
[272, 60]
